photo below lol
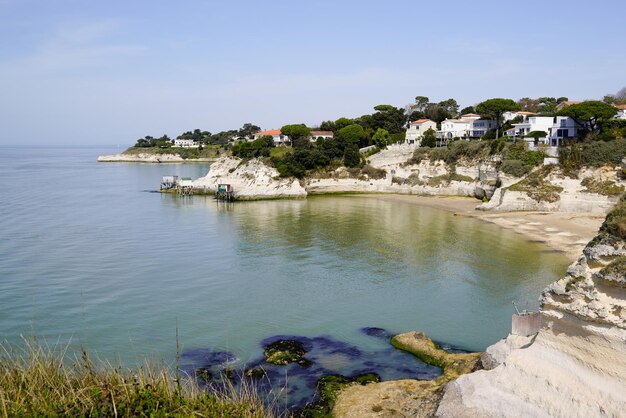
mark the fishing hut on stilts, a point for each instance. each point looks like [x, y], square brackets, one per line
[225, 192]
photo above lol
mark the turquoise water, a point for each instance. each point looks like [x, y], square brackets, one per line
[89, 254]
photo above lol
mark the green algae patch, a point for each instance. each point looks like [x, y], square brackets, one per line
[452, 365]
[329, 388]
[283, 352]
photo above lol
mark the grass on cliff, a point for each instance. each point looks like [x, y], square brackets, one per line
[615, 222]
[515, 158]
[43, 381]
[537, 186]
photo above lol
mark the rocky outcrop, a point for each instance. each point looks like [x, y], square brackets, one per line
[393, 174]
[149, 158]
[548, 189]
[406, 397]
[250, 180]
[576, 365]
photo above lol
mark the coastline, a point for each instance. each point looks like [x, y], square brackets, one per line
[565, 232]
[151, 159]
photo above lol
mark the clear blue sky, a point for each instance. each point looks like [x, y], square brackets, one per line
[108, 72]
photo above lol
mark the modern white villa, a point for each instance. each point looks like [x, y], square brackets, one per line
[468, 126]
[534, 123]
[621, 111]
[417, 128]
[563, 127]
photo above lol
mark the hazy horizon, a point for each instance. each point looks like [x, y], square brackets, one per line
[85, 73]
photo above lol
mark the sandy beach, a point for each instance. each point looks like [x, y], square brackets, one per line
[565, 232]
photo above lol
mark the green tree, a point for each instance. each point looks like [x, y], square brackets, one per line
[328, 125]
[351, 156]
[296, 133]
[351, 134]
[495, 108]
[468, 109]
[429, 139]
[588, 114]
[381, 138]
[248, 130]
[342, 123]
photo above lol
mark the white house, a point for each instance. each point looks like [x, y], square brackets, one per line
[417, 128]
[454, 128]
[323, 134]
[534, 123]
[621, 111]
[277, 136]
[470, 125]
[185, 143]
[563, 127]
[479, 127]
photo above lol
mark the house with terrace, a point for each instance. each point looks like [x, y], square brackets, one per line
[416, 130]
[277, 136]
[563, 127]
[532, 124]
[469, 126]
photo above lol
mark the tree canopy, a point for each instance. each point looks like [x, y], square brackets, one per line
[589, 113]
[296, 132]
[495, 108]
[381, 138]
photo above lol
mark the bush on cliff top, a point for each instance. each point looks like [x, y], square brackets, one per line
[615, 222]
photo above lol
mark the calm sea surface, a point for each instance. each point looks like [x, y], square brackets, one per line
[89, 254]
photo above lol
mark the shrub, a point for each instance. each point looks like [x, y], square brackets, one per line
[515, 168]
[373, 173]
[595, 154]
[538, 187]
[615, 222]
[607, 187]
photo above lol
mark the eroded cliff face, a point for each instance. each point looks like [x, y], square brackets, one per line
[576, 365]
[250, 179]
[548, 189]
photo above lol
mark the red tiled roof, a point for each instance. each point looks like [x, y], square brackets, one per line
[470, 115]
[321, 132]
[420, 121]
[621, 107]
[270, 132]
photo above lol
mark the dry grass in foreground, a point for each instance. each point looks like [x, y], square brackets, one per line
[37, 380]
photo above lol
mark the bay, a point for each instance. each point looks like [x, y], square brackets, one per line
[89, 253]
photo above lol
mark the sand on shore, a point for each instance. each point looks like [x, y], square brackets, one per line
[566, 232]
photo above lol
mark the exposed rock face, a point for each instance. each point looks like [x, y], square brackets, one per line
[559, 193]
[250, 180]
[148, 158]
[576, 365]
[411, 398]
